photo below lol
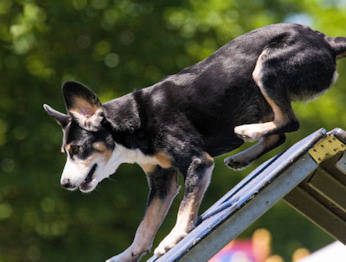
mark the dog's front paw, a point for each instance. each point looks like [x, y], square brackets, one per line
[173, 238]
[248, 132]
[236, 163]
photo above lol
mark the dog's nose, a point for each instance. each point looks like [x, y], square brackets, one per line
[66, 183]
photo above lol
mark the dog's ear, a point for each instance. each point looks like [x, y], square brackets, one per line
[83, 105]
[61, 118]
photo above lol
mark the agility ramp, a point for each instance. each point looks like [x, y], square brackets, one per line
[310, 176]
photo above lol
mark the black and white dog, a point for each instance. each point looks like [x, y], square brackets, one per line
[242, 92]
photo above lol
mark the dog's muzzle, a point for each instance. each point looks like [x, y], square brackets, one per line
[66, 183]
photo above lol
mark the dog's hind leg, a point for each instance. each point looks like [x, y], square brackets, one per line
[196, 182]
[244, 158]
[163, 184]
[276, 94]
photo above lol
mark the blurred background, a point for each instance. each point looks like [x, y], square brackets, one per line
[115, 47]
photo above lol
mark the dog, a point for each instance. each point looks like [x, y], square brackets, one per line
[242, 92]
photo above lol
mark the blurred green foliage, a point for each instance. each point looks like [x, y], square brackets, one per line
[116, 46]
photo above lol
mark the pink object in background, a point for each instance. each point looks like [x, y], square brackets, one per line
[236, 251]
[256, 249]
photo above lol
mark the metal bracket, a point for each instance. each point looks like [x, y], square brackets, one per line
[326, 148]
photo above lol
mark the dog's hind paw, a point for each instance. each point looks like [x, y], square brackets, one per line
[236, 164]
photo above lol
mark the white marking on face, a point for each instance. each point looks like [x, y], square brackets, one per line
[76, 170]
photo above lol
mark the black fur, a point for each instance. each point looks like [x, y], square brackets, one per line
[159, 181]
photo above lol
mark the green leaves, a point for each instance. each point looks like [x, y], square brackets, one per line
[116, 46]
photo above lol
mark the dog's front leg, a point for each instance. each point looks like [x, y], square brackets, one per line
[196, 182]
[163, 184]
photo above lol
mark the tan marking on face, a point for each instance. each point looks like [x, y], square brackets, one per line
[81, 106]
[87, 161]
[99, 146]
[163, 159]
[102, 149]
[107, 154]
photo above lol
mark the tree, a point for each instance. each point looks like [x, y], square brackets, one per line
[115, 47]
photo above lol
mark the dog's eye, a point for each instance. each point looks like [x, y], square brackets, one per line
[75, 149]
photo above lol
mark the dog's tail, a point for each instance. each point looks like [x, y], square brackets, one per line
[338, 44]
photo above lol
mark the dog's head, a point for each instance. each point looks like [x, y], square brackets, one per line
[88, 143]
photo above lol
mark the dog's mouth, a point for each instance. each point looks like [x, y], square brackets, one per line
[84, 185]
